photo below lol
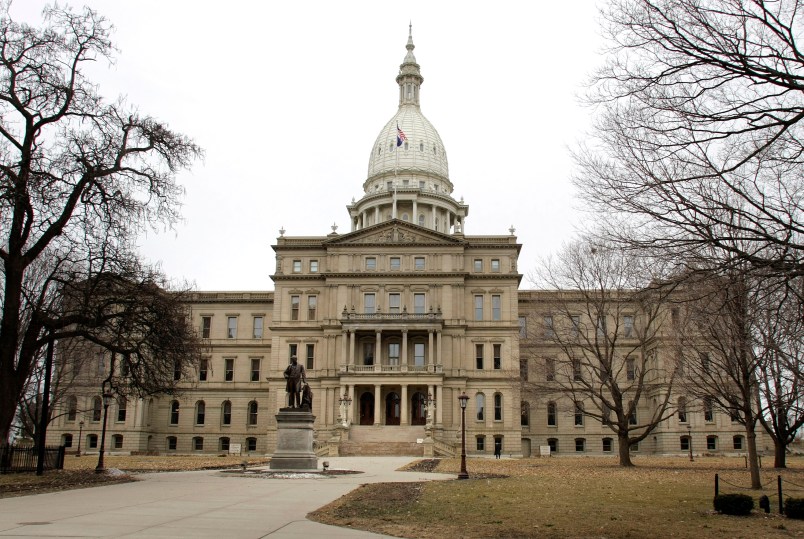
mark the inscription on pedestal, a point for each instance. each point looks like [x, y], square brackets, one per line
[294, 441]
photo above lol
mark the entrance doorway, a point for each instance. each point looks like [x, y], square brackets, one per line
[367, 408]
[392, 411]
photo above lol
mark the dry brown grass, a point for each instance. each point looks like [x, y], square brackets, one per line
[568, 497]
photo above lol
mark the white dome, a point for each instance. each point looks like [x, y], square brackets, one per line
[421, 154]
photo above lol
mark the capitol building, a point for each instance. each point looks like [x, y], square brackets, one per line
[393, 320]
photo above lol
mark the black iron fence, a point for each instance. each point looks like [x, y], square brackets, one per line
[22, 458]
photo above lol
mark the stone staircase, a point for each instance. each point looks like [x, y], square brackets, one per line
[387, 441]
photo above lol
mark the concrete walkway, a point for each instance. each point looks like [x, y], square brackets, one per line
[200, 504]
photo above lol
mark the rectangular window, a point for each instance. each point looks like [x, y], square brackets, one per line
[93, 441]
[171, 443]
[297, 266]
[576, 325]
[709, 411]
[312, 306]
[495, 265]
[396, 263]
[580, 445]
[578, 415]
[121, 411]
[478, 307]
[577, 373]
[294, 307]
[231, 325]
[198, 443]
[313, 266]
[498, 415]
[206, 326]
[310, 357]
[632, 417]
[496, 307]
[478, 265]
[685, 443]
[257, 327]
[480, 444]
[369, 303]
[549, 331]
[418, 303]
[292, 352]
[523, 327]
[368, 353]
[628, 326]
[418, 354]
[480, 406]
[371, 263]
[228, 371]
[607, 445]
[251, 444]
[393, 353]
[479, 356]
[552, 416]
[418, 262]
[711, 443]
[630, 369]
[203, 366]
[497, 357]
[550, 369]
[255, 369]
[394, 303]
[523, 369]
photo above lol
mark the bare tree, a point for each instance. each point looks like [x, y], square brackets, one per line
[697, 140]
[79, 179]
[717, 353]
[601, 333]
[778, 333]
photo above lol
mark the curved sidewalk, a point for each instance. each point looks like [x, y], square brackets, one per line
[200, 504]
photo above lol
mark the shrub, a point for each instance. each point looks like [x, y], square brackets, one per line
[734, 504]
[794, 508]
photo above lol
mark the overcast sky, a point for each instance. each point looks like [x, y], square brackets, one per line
[287, 98]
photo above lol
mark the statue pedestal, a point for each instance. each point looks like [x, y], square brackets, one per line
[294, 441]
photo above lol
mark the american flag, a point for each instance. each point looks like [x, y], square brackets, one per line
[400, 136]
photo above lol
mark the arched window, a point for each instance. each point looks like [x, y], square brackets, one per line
[480, 406]
[96, 408]
[72, 408]
[580, 445]
[251, 444]
[121, 410]
[419, 411]
[223, 443]
[552, 443]
[226, 413]
[498, 412]
[421, 219]
[252, 413]
[682, 409]
[685, 443]
[200, 412]
[117, 441]
[198, 443]
[67, 440]
[174, 413]
[170, 443]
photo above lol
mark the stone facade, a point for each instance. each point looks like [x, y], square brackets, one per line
[393, 320]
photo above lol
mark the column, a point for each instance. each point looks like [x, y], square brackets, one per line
[393, 209]
[378, 351]
[351, 348]
[350, 409]
[439, 395]
[438, 348]
[344, 340]
[376, 214]
[415, 218]
[363, 218]
[404, 361]
[377, 400]
[429, 348]
[403, 420]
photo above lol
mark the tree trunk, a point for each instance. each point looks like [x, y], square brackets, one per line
[753, 461]
[779, 454]
[624, 450]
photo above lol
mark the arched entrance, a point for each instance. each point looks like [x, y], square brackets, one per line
[418, 409]
[367, 408]
[392, 409]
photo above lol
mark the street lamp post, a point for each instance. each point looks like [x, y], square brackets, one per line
[464, 474]
[689, 440]
[107, 399]
[80, 431]
[345, 401]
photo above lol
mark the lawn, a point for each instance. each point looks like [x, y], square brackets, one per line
[79, 472]
[569, 497]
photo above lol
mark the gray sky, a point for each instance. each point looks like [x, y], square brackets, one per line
[287, 99]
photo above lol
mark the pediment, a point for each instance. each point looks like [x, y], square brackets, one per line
[394, 232]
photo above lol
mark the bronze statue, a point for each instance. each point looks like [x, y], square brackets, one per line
[296, 380]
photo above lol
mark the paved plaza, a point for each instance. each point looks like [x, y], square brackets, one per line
[200, 504]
